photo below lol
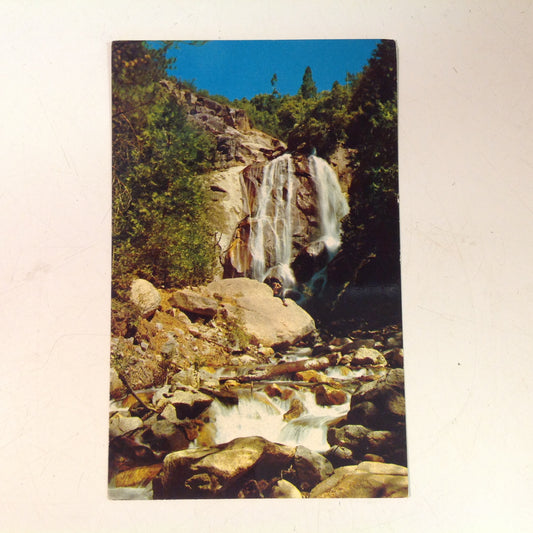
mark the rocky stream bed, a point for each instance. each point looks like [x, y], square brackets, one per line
[211, 399]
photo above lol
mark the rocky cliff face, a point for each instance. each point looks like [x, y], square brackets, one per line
[237, 142]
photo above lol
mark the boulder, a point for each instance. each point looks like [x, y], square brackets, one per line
[326, 395]
[120, 425]
[222, 470]
[166, 436]
[339, 456]
[189, 403]
[366, 480]
[311, 468]
[137, 477]
[368, 356]
[296, 409]
[194, 302]
[352, 437]
[387, 395]
[145, 296]
[259, 314]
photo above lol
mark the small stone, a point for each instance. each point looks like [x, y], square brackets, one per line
[273, 390]
[284, 489]
[325, 395]
[296, 409]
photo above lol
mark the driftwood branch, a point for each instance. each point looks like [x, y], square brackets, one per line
[319, 363]
[132, 392]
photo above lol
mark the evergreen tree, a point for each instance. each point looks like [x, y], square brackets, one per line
[308, 88]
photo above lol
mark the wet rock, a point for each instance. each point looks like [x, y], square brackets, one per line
[380, 442]
[296, 409]
[120, 424]
[368, 356]
[311, 376]
[321, 349]
[145, 296]
[194, 302]
[350, 436]
[394, 357]
[353, 346]
[339, 456]
[310, 259]
[272, 390]
[266, 351]
[387, 394]
[189, 403]
[366, 480]
[221, 471]
[137, 477]
[284, 489]
[373, 458]
[224, 395]
[311, 468]
[364, 414]
[166, 436]
[326, 395]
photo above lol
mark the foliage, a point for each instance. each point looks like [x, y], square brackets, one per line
[160, 229]
[372, 228]
[308, 88]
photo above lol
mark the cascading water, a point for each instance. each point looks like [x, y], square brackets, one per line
[332, 206]
[257, 414]
[272, 228]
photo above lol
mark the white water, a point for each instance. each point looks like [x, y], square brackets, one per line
[258, 415]
[271, 228]
[332, 205]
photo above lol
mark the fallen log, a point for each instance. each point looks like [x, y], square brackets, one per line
[319, 363]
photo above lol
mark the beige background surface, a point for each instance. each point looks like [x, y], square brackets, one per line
[466, 146]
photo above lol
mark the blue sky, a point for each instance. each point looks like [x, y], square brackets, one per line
[239, 69]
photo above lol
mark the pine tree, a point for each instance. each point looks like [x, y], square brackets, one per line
[308, 88]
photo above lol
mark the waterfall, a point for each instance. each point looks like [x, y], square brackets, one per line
[271, 226]
[332, 206]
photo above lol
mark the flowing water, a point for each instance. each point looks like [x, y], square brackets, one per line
[271, 228]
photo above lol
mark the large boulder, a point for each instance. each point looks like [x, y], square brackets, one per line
[366, 480]
[221, 471]
[145, 296]
[191, 301]
[311, 468]
[252, 306]
[387, 395]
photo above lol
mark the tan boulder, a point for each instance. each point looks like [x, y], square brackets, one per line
[145, 296]
[252, 306]
[366, 480]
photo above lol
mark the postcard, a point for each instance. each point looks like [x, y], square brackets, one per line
[256, 335]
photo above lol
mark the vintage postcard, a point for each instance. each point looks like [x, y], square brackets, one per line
[256, 336]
